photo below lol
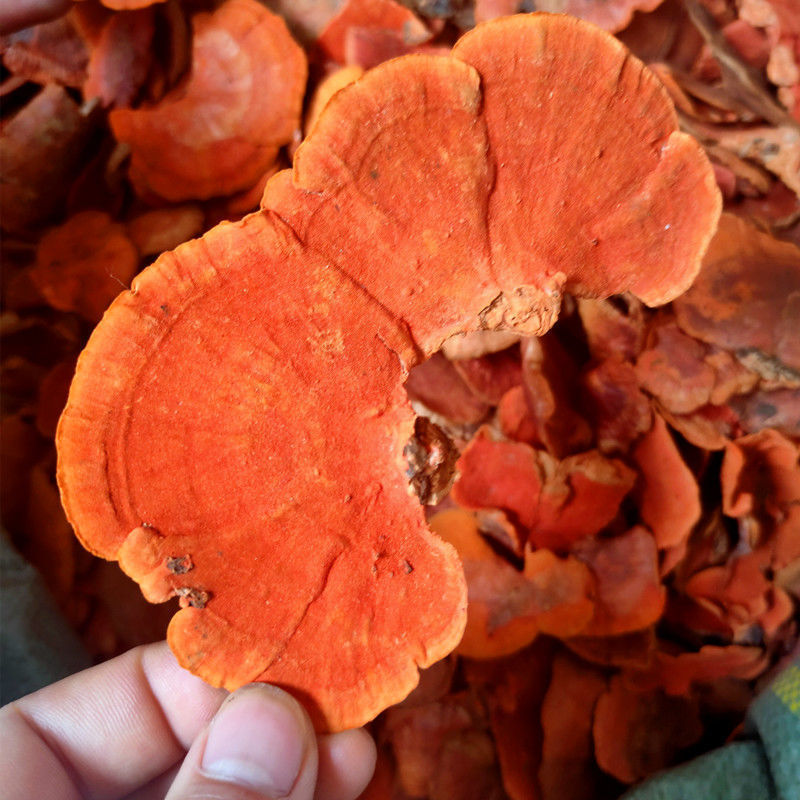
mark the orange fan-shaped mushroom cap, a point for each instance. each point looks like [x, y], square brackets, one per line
[235, 432]
[220, 131]
[251, 464]
[468, 192]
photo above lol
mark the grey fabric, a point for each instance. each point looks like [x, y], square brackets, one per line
[37, 647]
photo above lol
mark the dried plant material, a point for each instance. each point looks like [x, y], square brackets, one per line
[747, 296]
[627, 650]
[551, 385]
[611, 16]
[359, 569]
[506, 609]
[563, 588]
[515, 417]
[490, 376]
[669, 497]
[431, 459]
[514, 689]
[638, 733]
[327, 88]
[120, 60]
[53, 391]
[438, 386]
[306, 18]
[83, 264]
[742, 82]
[620, 411]
[497, 474]
[163, 229]
[40, 148]
[376, 17]
[778, 409]
[419, 736]
[502, 605]
[567, 770]
[221, 130]
[760, 478]
[708, 427]
[676, 674]
[674, 370]
[629, 594]
[53, 52]
[579, 497]
[612, 332]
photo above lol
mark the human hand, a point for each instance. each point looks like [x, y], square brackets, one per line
[122, 729]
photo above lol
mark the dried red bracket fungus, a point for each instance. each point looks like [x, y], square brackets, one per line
[235, 431]
[220, 130]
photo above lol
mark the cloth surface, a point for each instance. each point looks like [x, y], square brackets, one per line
[765, 767]
[37, 647]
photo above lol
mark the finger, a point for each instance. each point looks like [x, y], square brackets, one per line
[157, 788]
[106, 731]
[18, 14]
[346, 764]
[259, 746]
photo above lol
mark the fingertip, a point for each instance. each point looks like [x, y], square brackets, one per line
[346, 764]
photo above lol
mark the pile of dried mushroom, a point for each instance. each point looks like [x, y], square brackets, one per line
[495, 279]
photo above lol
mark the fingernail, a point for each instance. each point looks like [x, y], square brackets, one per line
[257, 740]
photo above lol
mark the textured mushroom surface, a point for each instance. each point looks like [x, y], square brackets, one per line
[235, 431]
[251, 464]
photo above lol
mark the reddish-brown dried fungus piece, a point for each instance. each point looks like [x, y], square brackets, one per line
[222, 128]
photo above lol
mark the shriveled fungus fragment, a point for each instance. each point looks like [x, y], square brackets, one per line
[580, 496]
[620, 411]
[629, 592]
[567, 771]
[669, 494]
[506, 608]
[747, 295]
[760, 479]
[378, 17]
[675, 674]
[638, 733]
[40, 148]
[514, 689]
[120, 59]
[84, 264]
[267, 365]
[218, 132]
[497, 474]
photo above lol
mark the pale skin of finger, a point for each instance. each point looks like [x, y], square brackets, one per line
[275, 735]
[18, 14]
[111, 730]
[345, 765]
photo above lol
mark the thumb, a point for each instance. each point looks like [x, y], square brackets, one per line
[259, 746]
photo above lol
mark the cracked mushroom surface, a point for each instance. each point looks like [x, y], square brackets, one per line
[235, 432]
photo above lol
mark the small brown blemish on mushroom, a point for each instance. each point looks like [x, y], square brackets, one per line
[431, 460]
[189, 596]
[180, 565]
